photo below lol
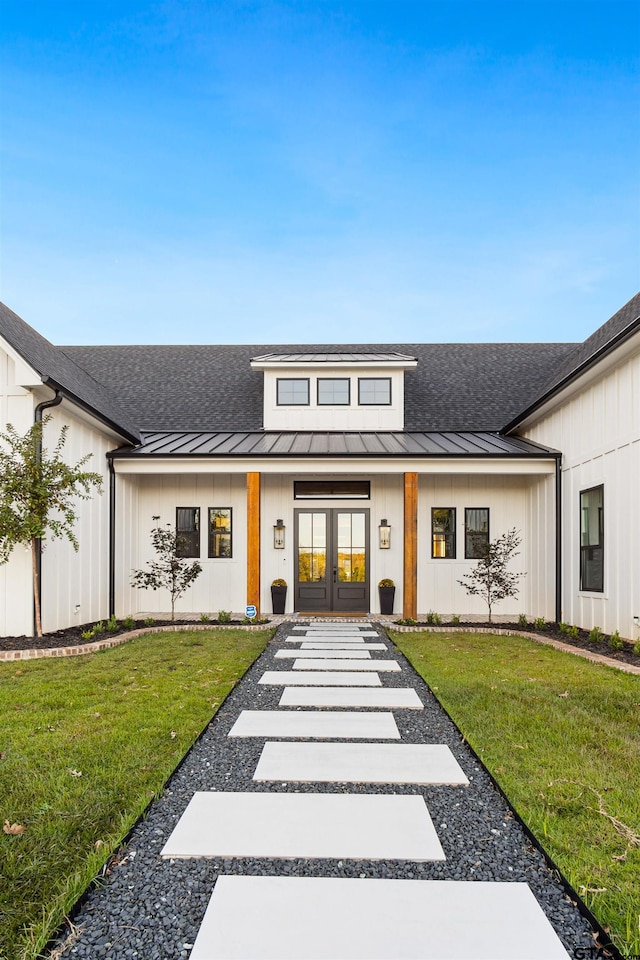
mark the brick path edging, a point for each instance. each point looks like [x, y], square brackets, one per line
[10, 656]
[538, 637]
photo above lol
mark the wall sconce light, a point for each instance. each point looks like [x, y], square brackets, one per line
[384, 533]
[278, 535]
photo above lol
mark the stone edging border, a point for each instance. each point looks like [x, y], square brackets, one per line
[12, 656]
[537, 637]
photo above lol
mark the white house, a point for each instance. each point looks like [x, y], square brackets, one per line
[334, 466]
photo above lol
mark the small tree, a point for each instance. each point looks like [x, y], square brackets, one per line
[490, 579]
[170, 571]
[37, 493]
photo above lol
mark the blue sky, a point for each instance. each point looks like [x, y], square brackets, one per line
[319, 171]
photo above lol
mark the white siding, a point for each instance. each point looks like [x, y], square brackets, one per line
[222, 583]
[508, 499]
[352, 417]
[16, 605]
[75, 585]
[597, 428]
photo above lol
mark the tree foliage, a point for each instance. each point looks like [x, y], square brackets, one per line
[490, 578]
[38, 493]
[169, 571]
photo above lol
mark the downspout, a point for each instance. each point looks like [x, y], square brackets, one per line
[559, 538]
[112, 537]
[37, 418]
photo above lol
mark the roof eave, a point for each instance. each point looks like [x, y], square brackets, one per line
[599, 355]
[108, 422]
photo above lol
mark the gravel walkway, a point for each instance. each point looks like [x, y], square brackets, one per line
[151, 909]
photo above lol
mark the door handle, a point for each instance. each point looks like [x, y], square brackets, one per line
[335, 574]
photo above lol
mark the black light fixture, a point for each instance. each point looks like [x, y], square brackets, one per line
[278, 535]
[384, 535]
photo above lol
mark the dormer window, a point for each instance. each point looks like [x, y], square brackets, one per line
[374, 391]
[293, 392]
[334, 392]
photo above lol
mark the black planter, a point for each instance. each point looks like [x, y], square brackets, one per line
[278, 599]
[387, 596]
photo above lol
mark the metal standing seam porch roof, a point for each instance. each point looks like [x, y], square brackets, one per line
[334, 444]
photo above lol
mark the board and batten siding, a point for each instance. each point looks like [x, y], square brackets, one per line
[510, 501]
[75, 585]
[222, 583]
[17, 405]
[597, 427]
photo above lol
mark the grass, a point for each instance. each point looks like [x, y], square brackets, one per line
[561, 736]
[86, 742]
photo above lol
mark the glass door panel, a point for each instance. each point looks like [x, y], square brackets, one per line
[312, 547]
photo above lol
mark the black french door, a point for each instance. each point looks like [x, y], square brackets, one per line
[332, 561]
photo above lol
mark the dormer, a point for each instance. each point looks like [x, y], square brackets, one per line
[333, 391]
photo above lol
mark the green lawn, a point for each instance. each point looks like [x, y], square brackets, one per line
[85, 743]
[562, 737]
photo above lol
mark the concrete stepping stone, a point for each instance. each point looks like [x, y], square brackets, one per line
[340, 633]
[359, 763]
[318, 825]
[317, 679]
[354, 641]
[351, 627]
[310, 723]
[384, 666]
[324, 654]
[315, 918]
[395, 698]
[321, 645]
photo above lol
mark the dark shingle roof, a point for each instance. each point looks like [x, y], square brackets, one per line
[618, 328]
[456, 386]
[58, 369]
[335, 444]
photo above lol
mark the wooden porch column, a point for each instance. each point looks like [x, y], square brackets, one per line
[410, 586]
[253, 539]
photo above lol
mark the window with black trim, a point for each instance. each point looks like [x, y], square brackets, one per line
[292, 391]
[476, 532]
[334, 392]
[443, 533]
[220, 546]
[374, 391]
[331, 489]
[188, 531]
[592, 539]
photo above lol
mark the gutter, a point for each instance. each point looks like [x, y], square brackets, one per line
[37, 418]
[559, 538]
[112, 537]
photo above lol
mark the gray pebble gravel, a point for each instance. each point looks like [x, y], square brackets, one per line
[151, 909]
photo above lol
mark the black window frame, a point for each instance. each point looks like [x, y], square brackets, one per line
[188, 541]
[333, 403]
[589, 552]
[214, 536]
[480, 552]
[374, 403]
[331, 489]
[452, 535]
[290, 403]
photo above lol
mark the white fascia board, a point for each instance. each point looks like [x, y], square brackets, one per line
[333, 364]
[512, 466]
[25, 376]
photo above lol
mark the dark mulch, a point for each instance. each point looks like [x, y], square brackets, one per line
[552, 630]
[72, 636]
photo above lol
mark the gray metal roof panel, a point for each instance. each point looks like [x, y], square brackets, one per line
[319, 444]
[332, 358]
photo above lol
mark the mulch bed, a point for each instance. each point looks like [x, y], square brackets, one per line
[72, 636]
[552, 630]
